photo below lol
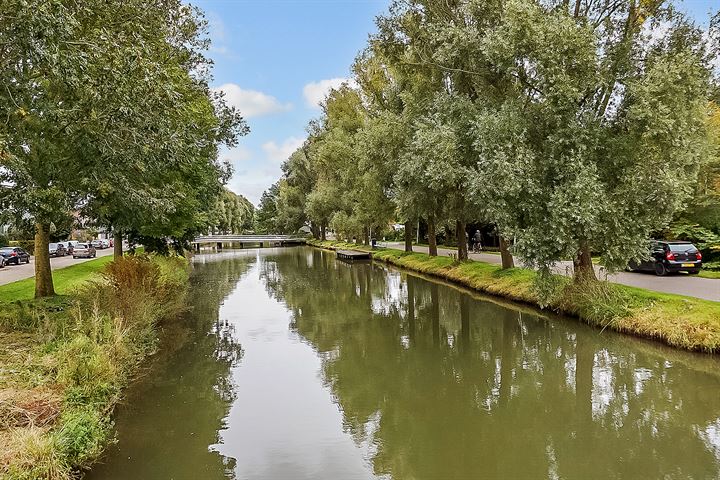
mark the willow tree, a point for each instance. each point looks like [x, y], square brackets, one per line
[598, 139]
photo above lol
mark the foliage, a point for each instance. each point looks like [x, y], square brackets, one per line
[109, 113]
[573, 130]
[707, 241]
[266, 217]
[232, 213]
[85, 349]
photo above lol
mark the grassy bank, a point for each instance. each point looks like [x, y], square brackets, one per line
[64, 361]
[679, 321]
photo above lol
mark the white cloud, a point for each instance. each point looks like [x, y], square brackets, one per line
[279, 153]
[251, 103]
[252, 183]
[236, 154]
[315, 92]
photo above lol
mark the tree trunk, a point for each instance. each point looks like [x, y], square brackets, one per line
[411, 308]
[461, 240]
[43, 274]
[583, 266]
[117, 245]
[408, 237]
[435, 313]
[366, 236]
[314, 230]
[323, 235]
[507, 258]
[432, 241]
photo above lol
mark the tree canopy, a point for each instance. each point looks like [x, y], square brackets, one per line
[108, 113]
[575, 128]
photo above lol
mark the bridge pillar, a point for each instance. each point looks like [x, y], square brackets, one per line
[219, 245]
[197, 247]
[241, 245]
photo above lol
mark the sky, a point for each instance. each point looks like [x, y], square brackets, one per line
[277, 59]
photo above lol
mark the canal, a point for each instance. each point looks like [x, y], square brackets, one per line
[293, 365]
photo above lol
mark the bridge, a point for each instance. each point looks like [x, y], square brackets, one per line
[263, 240]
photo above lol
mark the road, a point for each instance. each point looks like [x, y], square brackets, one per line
[705, 288]
[13, 273]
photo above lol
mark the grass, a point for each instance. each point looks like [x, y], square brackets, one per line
[683, 322]
[715, 274]
[64, 361]
[66, 280]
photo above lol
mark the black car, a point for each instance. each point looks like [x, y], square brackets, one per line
[14, 255]
[671, 257]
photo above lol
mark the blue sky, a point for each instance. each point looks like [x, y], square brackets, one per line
[275, 59]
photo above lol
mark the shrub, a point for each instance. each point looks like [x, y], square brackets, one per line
[82, 435]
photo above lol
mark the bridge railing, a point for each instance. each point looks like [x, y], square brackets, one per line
[247, 238]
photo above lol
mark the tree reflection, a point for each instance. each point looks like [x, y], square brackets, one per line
[188, 392]
[444, 385]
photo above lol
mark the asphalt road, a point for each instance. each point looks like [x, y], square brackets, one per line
[682, 284]
[13, 273]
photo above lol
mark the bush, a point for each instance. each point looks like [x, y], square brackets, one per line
[82, 435]
[4, 240]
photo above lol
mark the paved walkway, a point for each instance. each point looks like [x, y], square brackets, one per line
[13, 273]
[682, 284]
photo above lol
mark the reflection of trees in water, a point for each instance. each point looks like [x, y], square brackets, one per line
[189, 391]
[449, 386]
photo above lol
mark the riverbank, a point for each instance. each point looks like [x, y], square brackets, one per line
[679, 321]
[64, 361]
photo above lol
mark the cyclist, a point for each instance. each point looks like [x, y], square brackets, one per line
[477, 242]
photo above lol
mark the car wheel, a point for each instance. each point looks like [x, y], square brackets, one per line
[660, 269]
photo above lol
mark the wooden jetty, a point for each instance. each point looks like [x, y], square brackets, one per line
[352, 255]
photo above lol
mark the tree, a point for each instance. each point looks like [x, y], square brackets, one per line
[266, 217]
[107, 113]
[594, 111]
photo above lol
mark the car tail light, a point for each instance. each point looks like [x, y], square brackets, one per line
[670, 256]
[13, 254]
[698, 255]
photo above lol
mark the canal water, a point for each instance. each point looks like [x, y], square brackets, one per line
[293, 365]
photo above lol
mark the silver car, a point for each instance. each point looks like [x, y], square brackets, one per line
[84, 250]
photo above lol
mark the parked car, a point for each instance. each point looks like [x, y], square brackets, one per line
[84, 250]
[2, 261]
[57, 250]
[671, 257]
[14, 255]
[100, 244]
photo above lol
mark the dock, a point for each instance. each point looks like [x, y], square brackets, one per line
[353, 255]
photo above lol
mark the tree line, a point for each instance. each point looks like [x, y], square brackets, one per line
[107, 113]
[575, 127]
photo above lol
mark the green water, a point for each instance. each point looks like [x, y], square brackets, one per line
[293, 365]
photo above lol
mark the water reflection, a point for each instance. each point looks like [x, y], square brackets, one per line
[171, 417]
[293, 365]
[449, 386]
